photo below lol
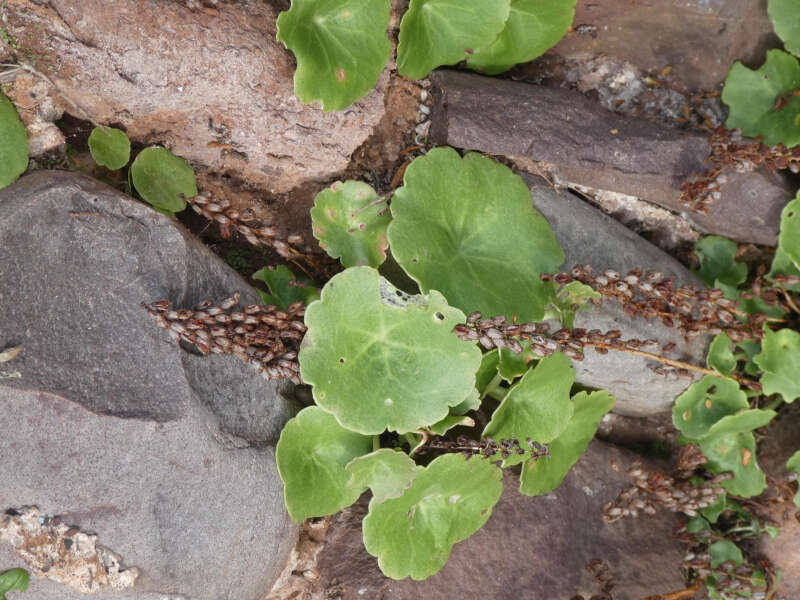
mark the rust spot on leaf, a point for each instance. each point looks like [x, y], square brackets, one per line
[341, 75]
[746, 456]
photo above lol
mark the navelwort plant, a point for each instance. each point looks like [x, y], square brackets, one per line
[341, 46]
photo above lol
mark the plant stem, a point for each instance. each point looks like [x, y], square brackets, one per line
[493, 385]
[789, 300]
[774, 404]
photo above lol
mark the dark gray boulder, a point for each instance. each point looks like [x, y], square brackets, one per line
[112, 428]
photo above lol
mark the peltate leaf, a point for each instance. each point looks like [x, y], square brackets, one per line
[161, 178]
[780, 361]
[447, 502]
[538, 407]
[789, 238]
[785, 17]
[717, 256]
[378, 358]
[720, 356]
[532, 28]
[13, 579]
[546, 474]
[14, 145]
[794, 465]
[704, 403]
[735, 453]
[341, 48]
[723, 551]
[443, 32]
[762, 102]
[110, 148]
[349, 225]
[285, 287]
[454, 222]
[386, 472]
[312, 454]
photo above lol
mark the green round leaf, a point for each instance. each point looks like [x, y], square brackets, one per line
[467, 228]
[340, 45]
[447, 502]
[111, 150]
[532, 28]
[538, 407]
[14, 144]
[349, 225]
[794, 465]
[785, 17]
[13, 579]
[780, 361]
[161, 178]
[443, 32]
[717, 257]
[754, 96]
[723, 551]
[543, 475]
[704, 403]
[720, 356]
[386, 472]
[312, 454]
[735, 453]
[789, 237]
[743, 421]
[378, 358]
[285, 287]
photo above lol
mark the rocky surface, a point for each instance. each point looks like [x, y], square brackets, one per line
[166, 457]
[590, 237]
[530, 547]
[580, 142]
[211, 84]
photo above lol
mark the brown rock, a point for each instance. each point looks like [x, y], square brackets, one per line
[213, 85]
[583, 143]
[536, 548]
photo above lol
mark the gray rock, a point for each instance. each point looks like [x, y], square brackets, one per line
[534, 548]
[588, 236]
[167, 457]
[583, 143]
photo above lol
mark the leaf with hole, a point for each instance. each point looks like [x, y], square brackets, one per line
[163, 179]
[454, 222]
[350, 221]
[341, 48]
[110, 147]
[386, 472]
[543, 475]
[794, 465]
[378, 358]
[312, 455]
[720, 356]
[762, 102]
[785, 17]
[537, 407]
[704, 403]
[13, 579]
[717, 256]
[14, 146]
[442, 32]
[532, 28]
[447, 502]
[780, 361]
[285, 287]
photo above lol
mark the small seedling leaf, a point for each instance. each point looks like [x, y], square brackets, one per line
[704, 403]
[13, 579]
[312, 454]
[350, 225]
[442, 32]
[14, 145]
[785, 17]
[573, 297]
[794, 465]
[546, 474]
[285, 287]
[780, 361]
[717, 256]
[537, 407]
[161, 178]
[110, 148]
[447, 502]
[723, 551]
[735, 453]
[513, 365]
[378, 358]
[720, 356]
[341, 48]
[532, 28]
[388, 473]
[762, 102]
[454, 222]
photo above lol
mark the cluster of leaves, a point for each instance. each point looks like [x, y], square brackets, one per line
[13, 579]
[766, 102]
[342, 46]
[388, 376]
